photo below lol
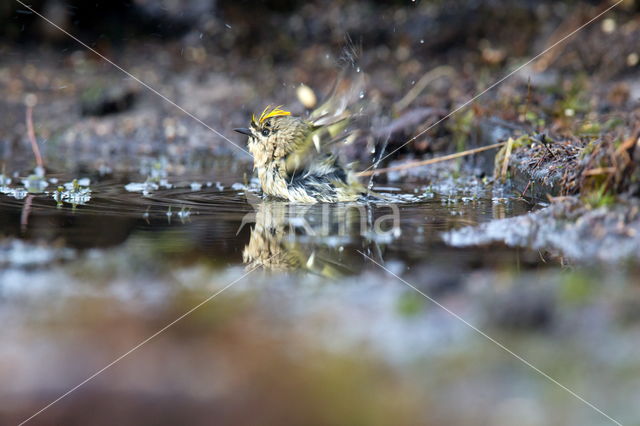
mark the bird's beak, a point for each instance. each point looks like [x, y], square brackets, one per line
[243, 131]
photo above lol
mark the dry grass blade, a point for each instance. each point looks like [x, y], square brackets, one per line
[431, 160]
[600, 171]
[505, 161]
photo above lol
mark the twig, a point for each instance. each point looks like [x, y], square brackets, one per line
[544, 141]
[431, 160]
[31, 102]
[525, 189]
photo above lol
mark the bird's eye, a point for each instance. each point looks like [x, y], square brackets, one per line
[265, 132]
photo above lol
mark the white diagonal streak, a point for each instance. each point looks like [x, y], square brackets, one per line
[132, 76]
[139, 345]
[491, 339]
[562, 40]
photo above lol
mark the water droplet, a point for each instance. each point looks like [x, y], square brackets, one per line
[361, 94]
[421, 41]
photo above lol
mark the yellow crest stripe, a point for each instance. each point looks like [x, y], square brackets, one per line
[272, 112]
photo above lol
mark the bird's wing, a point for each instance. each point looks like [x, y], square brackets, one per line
[320, 141]
[330, 122]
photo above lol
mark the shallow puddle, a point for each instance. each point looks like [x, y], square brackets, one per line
[220, 219]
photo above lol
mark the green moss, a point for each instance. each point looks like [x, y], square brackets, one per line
[461, 129]
[595, 128]
[599, 197]
[573, 97]
[524, 140]
[534, 119]
[612, 123]
[589, 149]
[590, 129]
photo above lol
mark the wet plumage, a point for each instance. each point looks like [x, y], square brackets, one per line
[292, 159]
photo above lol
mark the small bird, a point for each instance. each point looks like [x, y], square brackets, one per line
[292, 159]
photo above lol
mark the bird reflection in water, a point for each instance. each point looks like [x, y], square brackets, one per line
[314, 238]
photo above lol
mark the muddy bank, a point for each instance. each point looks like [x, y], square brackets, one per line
[568, 228]
[597, 169]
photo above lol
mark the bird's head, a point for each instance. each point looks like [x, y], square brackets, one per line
[274, 135]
